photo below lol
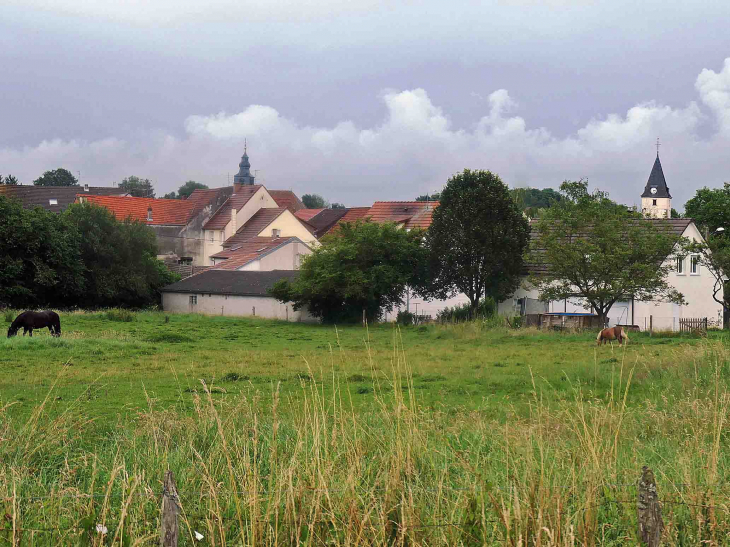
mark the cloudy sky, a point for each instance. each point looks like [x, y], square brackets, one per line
[365, 100]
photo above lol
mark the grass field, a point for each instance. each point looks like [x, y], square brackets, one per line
[287, 434]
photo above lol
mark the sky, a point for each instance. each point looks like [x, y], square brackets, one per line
[366, 100]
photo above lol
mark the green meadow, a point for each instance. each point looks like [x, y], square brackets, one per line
[285, 433]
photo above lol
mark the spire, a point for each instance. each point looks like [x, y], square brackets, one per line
[244, 169]
[656, 181]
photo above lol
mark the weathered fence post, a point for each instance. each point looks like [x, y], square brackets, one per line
[651, 324]
[649, 511]
[170, 511]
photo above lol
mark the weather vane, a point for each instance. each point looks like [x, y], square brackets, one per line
[657, 147]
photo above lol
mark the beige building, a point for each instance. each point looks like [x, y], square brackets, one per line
[237, 293]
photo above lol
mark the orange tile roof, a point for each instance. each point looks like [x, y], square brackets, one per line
[169, 212]
[222, 216]
[413, 214]
[306, 214]
[260, 220]
[250, 250]
[288, 199]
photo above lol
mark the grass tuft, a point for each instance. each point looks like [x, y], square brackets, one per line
[120, 315]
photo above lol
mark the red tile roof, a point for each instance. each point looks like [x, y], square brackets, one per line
[200, 198]
[250, 250]
[168, 212]
[306, 214]
[222, 216]
[260, 220]
[413, 214]
[288, 199]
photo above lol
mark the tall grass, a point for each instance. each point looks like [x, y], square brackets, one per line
[313, 471]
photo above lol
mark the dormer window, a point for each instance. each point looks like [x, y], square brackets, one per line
[149, 214]
[52, 202]
[275, 232]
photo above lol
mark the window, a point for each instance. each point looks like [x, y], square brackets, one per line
[275, 232]
[212, 235]
[680, 266]
[193, 299]
[149, 213]
[52, 202]
[695, 265]
[221, 235]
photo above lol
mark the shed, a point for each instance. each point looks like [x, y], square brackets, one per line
[226, 292]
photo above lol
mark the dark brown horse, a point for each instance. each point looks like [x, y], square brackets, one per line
[29, 320]
[611, 334]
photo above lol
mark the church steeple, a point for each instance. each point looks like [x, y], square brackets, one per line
[244, 169]
[656, 201]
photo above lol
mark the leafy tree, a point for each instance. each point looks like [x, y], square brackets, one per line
[710, 208]
[675, 213]
[120, 259]
[594, 251]
[40, 263]
[433, 197]
[137, 187]
[10, 180]
[314, 201]
[188, 188]
[530, 200]
[364, 267]
[476, 240]
[170, 195]
[337, 206]
[57, 177]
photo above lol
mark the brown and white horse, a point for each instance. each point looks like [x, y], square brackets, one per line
[609, 335]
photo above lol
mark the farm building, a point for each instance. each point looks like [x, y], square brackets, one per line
[226, 292]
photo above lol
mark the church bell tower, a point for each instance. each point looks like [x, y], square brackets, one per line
[656, 201]
[244, 176]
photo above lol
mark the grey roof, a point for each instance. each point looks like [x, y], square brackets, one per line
[41, 196]
[656, 180]
[233, 283]
[325, 219]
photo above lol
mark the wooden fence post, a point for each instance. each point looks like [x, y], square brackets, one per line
[651, 324]
[170, 511]
[649, 511]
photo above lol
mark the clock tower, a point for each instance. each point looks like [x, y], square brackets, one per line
[656, 201]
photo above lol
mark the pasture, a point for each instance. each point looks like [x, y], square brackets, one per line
[283, 433]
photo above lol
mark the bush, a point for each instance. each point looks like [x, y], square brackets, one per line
[120, 315]
[9, 316]
[405, 318]
[486, 308]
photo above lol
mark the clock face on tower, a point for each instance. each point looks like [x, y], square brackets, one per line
[653, 190]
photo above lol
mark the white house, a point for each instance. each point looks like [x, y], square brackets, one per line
[226, 292]
[689, 277]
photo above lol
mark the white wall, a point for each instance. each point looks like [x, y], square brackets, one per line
[283, 258]
[244, 306]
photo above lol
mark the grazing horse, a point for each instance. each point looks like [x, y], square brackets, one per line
[609, 335]
[29, 320]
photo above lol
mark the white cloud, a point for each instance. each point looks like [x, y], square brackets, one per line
[413, 149]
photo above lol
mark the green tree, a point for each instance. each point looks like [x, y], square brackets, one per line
[188, 188]
[314, 201]
[675, 213]
[137, 187]
[57, 177]
[530, 200]
[338, 206]
[120, 259]
[364, 267]
[476, 239]
[426, 197]
[591, 250]
[710, 208]
[170, 195]
[40, 263]
[10, 180]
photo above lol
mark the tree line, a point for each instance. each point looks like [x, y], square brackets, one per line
[579, 245]
[83, 257]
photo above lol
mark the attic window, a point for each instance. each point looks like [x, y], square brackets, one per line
[52, 202]
[275, 232]
[149, 213]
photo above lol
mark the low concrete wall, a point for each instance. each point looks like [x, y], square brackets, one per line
[242, 306]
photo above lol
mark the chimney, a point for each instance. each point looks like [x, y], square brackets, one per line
[236, 187]
[86, 187]
[233, 220]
